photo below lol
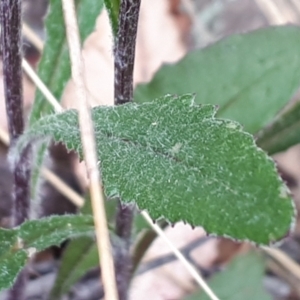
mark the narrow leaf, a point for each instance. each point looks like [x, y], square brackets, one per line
[250, 76]
[282, 133]
[12, 259]
[53, 230]
[112, 7]
[173, 158]
[80, 256]
[242, 279]
[19, 243]
[54, 67]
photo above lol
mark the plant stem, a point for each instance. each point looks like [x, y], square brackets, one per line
[90, 155]
[21, 189]
[124, 64]
[125, 50]
[10, 16]
[123, 264]
[123, 224]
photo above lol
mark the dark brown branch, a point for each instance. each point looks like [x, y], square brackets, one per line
[125, 50]
[123, 264]
[10, 17]
[124, 64]
[21, 190]
[10, 14]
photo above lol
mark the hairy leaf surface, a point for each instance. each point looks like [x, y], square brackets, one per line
[18, 244]
[12, 259]
[173, 158]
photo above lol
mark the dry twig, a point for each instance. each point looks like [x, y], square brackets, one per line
[90, 156]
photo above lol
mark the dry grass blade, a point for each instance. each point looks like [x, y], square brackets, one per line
[32, 37]
[289, 264]
[287, 10]
[271, 11]
[89, 150]
[4, 137]
[62, 187]
[42, 87]
[181, 258]
[296, 5]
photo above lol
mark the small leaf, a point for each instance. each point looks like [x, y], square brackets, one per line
[242, 280]
[43, 233]
[283, 132]
[54, 67]
[12, 260]
[19, 243]
[173, 158]
[250, 76]
[139, 224]
[80, 256]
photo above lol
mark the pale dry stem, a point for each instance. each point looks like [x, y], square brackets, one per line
[181, 257]
[32, 37]
[41, 86]
[284, 260]
[89, 150]
[62, 187]
[272, 12]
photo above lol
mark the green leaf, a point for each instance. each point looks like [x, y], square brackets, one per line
[12, 260]
[283, 132]
[43, 233]
[242, 280]
[16, 245]
[112, 7]
[250, 76]
[80, 256]
[36, 178]
[139, 224]
[173, 158]
[54, 67]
